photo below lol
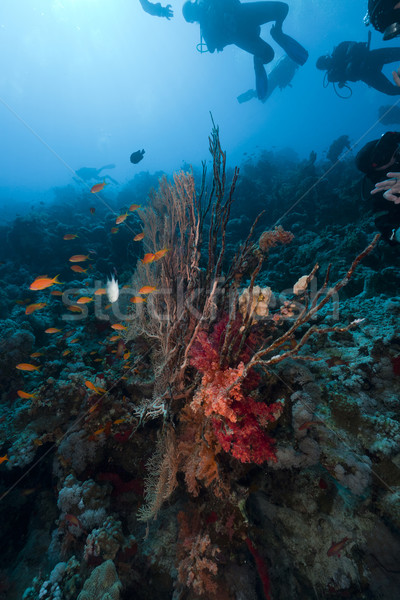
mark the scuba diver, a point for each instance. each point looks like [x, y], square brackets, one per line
[378, 160]
[156, 10]
[225, 22]
[384, 15]
[354, 61]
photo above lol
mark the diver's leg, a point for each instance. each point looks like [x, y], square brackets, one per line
[383, 56]
[258, 13]
[293, 49]
[380, 82]
[256, 46]
[263, 54]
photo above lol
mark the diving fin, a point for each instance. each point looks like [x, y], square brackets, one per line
[293, 49]
[261, 79]
[246, 96]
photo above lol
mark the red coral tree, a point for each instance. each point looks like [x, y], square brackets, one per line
[238, 421]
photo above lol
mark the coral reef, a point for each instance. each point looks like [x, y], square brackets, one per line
[229, 428]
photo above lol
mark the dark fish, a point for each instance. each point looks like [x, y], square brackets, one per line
[389, 114]
[337, 147]
[137, 156]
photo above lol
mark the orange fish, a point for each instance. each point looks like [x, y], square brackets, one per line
[137, 300]
[36, 354]
[3, 458]
[92, 210]
[52, 330]
[27, 367]
[107, 306]
[66, 352]
[148, 258]
[114, 229]
[41, 283]
[118, 327]
[79, 258]
[70, 236]
[147, 289]
[160, 253]
[335, 361]
[114, 338]
[138, 237]
[100, 292]
[337, 547]
[56, 293]
[32, 307]
[119, 421]
[134, 207]
[91, 386]
[74, 341]
[75, 309]
[78, 269]
[121, 218]
[72, 520]
[127, 355]
[25, 395]
[84, 300]
[98, 187]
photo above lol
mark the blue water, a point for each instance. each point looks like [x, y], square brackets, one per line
[88, 82]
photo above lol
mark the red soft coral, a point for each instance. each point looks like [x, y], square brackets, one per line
[238, 421]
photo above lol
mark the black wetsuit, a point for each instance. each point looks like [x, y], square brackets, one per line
[353, 61]
[225, 22]
[386, 212]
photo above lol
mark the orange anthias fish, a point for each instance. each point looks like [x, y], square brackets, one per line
[98, 187]
[134, 207]
[138, 237]
[147, 289]
[76, 309]
[3, 458]
[32, 307]
[27, 367]
[121, 218]
[137, 300]
[41, 283]
[70, 236]
[25, 395]
[84, 300]
[73, 520]
[148, 258]
[114, 338]
[100, 292]
[56, 293]
[78, 269]
[114, 229]
[160, 253]
[337, 547]
[92, 387]
[36, 354]
[52, 330]
[79, 258]
[118, 327]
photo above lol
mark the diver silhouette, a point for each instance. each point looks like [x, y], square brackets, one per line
[225, 22]
[354, 61]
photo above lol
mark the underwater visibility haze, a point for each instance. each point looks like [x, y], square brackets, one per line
[199, 309]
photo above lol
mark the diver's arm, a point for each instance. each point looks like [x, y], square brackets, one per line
[391, 187]
[156, 10]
